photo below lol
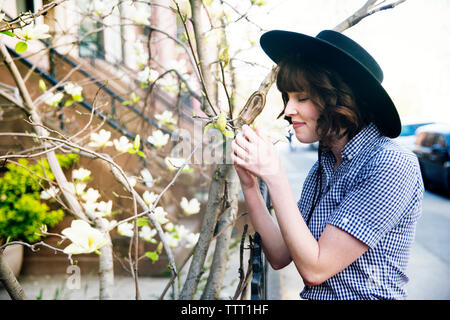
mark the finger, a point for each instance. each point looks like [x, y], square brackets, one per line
[242, 142]
[238, 161]
[249, 133]
[239, 151]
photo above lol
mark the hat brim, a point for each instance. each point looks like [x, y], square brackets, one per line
[279, 44]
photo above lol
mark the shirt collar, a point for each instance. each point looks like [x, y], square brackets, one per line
[360, 141]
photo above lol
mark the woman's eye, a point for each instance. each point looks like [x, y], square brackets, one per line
[301, 99]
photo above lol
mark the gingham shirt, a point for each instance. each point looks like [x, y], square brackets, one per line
[376, 196]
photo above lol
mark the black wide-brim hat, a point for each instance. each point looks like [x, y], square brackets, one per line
[355, 65]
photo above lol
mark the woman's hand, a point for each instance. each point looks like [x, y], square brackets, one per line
[254, 154]
[248, 180]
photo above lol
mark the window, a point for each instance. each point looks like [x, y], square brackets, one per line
[90, 34]
[24, 6]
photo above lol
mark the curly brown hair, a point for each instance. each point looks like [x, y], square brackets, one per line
[335, 100]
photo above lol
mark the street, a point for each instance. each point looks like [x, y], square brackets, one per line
[429, 266]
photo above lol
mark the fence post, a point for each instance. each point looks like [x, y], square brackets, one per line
[259, 262]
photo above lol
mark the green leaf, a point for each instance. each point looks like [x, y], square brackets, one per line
[77, 98]
[137, 142]
[21, 47]
[229, 134]
[207, 127]
[152, 255]
[68, 103]
[221, 121]
[126, 102]
[140, 153]
[42, 85]
[8, 33]
[134, 97]
[131, 151]
[224, 56]
[142, 221]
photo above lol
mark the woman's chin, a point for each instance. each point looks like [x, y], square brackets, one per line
[305, 139]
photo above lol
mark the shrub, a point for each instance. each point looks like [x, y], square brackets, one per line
[22, 212]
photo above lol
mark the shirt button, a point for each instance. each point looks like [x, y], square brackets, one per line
[349, 157]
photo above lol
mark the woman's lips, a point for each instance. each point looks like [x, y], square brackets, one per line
[296, 125]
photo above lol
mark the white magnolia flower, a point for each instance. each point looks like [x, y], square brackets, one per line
[104, 208]
[123, 144]
[169, 83]
[111, 224]
[179, 65]
[191, 239]
[139, 13]
[181, 231]
[147, 234]
[141, 56]
[91, 195]
[91, 208]
[190, 207]
[33, 32]
[215, 9]
[147, 75]
[149, 197]
[158, 138]
[176, 163]
[85, 239]
[169, 227]
[80, 174]
[100, 139]
[275, 129]
[77, 188]
[73, 89]
[52, 99]
[101, 7]
[49, 193]
[172, 240]
[165, 118]
[125, 229]
[160, 215]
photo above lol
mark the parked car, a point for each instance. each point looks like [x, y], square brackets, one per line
[432, 147]
[407, 136]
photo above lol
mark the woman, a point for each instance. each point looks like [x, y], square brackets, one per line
[351, 232]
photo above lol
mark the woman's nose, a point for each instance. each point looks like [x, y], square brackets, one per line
[290, 109]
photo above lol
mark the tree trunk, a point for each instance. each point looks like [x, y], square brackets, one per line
[220, 258]
[224, 173]
[9, 281]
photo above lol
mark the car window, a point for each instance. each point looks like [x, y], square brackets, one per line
[426, 139]
[440, 140]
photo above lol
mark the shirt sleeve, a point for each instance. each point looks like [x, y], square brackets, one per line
[387, 190]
